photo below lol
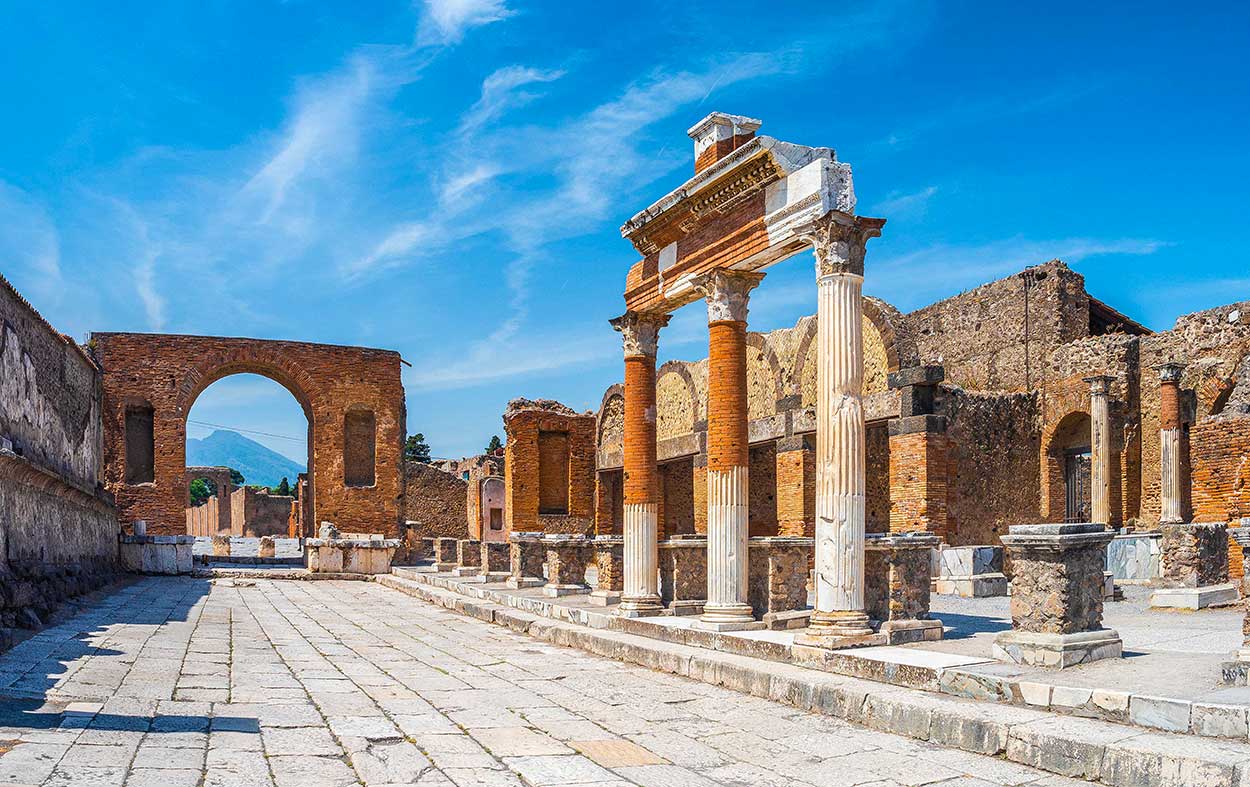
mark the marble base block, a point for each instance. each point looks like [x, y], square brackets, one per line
[1193, 599]
[1060, 651]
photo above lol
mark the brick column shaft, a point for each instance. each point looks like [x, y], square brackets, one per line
[641, 558]
[1171, 490]
[728, 454]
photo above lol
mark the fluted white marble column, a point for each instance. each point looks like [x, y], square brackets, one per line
[728, 498]
[641, 595]
[841, 468]
[1170, 480]
[1099, 449]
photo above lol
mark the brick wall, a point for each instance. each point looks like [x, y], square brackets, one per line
[919, 463]
[524, 421]
[1220, 455]
[877, 482]
[169, 372]
[676, 497]
[436, 501]
[255, 513]
[796, 487]
[762, 479]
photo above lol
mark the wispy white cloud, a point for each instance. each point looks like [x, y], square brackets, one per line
[446, 21]
[899, 203]
[29, 240]
[500, 92]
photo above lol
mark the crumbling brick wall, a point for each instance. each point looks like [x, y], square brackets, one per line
[435, 500]
[524, 422]
[255, 512]
[167, 373]
[993, 478]
[676, 497]
[58, 527]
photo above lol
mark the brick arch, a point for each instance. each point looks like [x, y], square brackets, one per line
[761, 405]
[898, 353]
[671, 412]
[327, 380]
[609, 428]
[1070, 431]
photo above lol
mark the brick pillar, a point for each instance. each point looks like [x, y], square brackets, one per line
[839, 241]
[1171, 489]
[796, 486]
[640, 333]
[728, 456]
[699, 481]
[918, 455]
[1100, 449]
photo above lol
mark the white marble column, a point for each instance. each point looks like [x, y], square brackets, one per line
[728, 485]
[839, 241]
[640, 335]
[1100, 449]
[1170, 476]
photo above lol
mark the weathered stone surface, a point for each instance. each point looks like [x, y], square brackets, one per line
[527, 554]
[1194, 555]
[683, 574]
[777, 581]
[1058, 577]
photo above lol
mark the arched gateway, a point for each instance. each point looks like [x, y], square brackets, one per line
[352, 397]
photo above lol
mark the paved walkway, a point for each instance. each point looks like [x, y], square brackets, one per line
[176, 681]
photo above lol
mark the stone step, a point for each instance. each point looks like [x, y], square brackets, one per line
[1113, 754]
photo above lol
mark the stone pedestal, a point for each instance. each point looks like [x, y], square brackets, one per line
[445, 557]
[349, 556]
[221, 546]
[496, 560]
[1135, 558]
[896, 586]
[683, 574]
[266, 547]
[610, 570]
[1057, 596]
[778, 577]
[969, 571]
[468, 558]
[567, 558]
[145, 554]
[1195, 567]
[526, 553]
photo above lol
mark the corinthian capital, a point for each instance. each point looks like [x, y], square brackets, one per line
[727, 293]
[839, 240]
[640, 332]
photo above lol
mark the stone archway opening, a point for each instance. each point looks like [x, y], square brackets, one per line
[1068, 469]
[250, 437]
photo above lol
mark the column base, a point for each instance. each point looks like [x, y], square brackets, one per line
[446, 568]
[898, 632]
[729, 625]
[640, 607]
[604, 598]
[524, 582]
[827, 640]
[1057, 651]
[495, 577]
[1193, 598]
[556, 591]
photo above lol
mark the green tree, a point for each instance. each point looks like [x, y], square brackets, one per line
[283, 489]
[201, 490]
[494, 444]
[416, 449]
[236, 477]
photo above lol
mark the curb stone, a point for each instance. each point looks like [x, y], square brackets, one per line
[1069, 746]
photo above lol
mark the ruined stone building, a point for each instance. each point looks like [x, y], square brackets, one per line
[1005, 438]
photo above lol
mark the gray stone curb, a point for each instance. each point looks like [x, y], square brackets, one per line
[982, 683]
[1111, 753]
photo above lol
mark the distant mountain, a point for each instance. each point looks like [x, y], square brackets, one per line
[258, 464]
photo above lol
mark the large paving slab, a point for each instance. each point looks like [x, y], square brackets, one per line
[180, 681]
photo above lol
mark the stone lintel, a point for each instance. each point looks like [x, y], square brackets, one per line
[928, 375]
[914, 424]
[909, 540]
[798, 442]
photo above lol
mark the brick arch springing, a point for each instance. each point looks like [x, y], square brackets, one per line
[777, 379]
[682, 370]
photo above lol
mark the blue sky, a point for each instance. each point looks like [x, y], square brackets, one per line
[447, 178]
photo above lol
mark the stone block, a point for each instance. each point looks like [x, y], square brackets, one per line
[221, 546]
[1058, 651]
[527, 554]
[1218, 721]
[445, 554]
[897, 585]
[1134, 558]
[610, 569]
[777, 576]
[496, 557]
[1161, 713]
[266, 547]
[1194, 598]
[567, 559]
[1195, 554]
[683, 574]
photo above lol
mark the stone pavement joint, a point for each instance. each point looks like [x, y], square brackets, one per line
[303, 684]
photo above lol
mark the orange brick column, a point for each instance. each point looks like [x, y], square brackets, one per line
[640, 333]
[728, 457]
[1171, 490]
[840, 618]
[918, 454]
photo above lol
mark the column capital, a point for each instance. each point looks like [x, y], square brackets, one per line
[1099, 384]
[839, 240]
[727, 293]
[1170, 372]
[640, 332]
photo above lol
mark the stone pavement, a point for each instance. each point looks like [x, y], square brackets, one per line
[178, 681]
